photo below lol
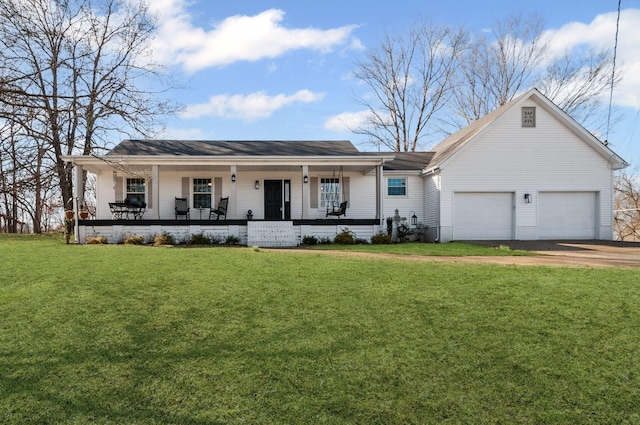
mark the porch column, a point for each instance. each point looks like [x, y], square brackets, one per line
[78, 198]
[155, 191]
[379, 193]
[306, 192]
[232, 208]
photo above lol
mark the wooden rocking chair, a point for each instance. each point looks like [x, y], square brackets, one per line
[221, 210]
[342, 210]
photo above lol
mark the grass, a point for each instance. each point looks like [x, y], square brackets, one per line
[129, 334]
[455, 249]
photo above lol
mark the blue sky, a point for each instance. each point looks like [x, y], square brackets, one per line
[281, 69]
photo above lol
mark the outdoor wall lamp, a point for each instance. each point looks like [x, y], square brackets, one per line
[233, 178]
[305, 179]
[414, 218]
[527, 198]
[257, 184]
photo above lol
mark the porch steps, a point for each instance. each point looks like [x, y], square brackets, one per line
[274, 234]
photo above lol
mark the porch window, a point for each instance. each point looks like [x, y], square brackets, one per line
[329, 192]
[202, 193]
[135, 190]
[397, 186]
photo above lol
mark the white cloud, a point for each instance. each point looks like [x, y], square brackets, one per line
[237, 38]
[600, 34]
[347, 121]
[248, 107]
[183, 134]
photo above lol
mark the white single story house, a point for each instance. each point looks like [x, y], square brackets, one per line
[527, 171]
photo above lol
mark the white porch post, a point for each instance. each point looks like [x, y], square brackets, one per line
[379, 193]
[78, 197]
[233, 196]
[155, 183]
[306, 192]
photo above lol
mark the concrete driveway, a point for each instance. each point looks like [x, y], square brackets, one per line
[580, 253]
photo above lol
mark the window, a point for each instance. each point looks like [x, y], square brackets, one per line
[329, 192]
[135, 190]
[201, 193]
[397, 186]
[529, 116]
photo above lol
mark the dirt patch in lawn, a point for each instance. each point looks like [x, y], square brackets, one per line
[545, 253]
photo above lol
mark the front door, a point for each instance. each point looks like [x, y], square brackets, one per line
[273, 199]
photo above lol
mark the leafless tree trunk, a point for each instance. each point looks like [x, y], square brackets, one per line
[75, 70]
[627, 205]
[410, 77]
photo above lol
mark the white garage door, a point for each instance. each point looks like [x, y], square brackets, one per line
[483, 216]
[567, 215]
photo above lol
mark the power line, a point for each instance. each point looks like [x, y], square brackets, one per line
[613, 71]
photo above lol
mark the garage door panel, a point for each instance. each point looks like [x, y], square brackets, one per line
[483, 216]
[567, 215]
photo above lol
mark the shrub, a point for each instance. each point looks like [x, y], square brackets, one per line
[97, 240]
[310, 240]
[199, 239]
[381, 238]
[325, 241]
[232, 240]
[134, 240]
[346, 237]
[164, 239]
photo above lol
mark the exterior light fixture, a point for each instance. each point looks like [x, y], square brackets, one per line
[305, 179]
[257, 184]
[414, 219]
[527, 198]
[233, 178]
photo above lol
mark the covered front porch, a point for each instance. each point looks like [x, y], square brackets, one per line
[261, 189]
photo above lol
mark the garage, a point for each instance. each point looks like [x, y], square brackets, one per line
[567, 215]
[483, 215]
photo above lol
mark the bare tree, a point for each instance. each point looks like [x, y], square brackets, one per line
[576, 84]
[411, 78]
[516, 56]
[497, 67]
[626, 222]
[77, 71]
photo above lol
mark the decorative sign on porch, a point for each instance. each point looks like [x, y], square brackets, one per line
[271, 234]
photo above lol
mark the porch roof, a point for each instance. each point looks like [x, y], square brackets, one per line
[220, 154]
[250, 148]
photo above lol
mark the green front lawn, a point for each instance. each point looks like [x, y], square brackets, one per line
[127, 334]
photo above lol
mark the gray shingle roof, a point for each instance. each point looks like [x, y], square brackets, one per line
[235, 148]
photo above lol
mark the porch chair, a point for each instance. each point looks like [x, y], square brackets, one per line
[342, 210]
[182, 208]
[221, 210]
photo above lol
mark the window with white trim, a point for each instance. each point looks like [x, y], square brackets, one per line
[329, 192]
[135, 190]
[397, 186]
[201, 193]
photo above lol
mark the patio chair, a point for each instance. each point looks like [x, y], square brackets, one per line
[182, 208]
[221, 210]
[342, 210]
